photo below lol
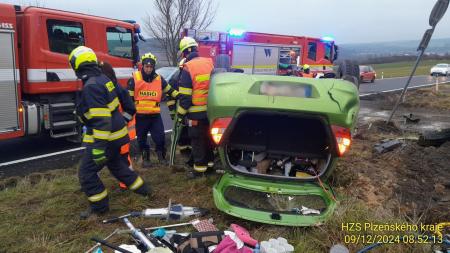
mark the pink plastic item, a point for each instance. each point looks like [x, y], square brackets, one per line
[243, 235]
[227, 245]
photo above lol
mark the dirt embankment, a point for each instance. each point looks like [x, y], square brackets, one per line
[410, 180]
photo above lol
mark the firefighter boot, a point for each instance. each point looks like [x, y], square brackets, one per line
[146, 159]
[192, 174]
[89, 213]
[145, 190]
[161, 157]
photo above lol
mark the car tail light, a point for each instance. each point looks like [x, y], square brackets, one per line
[343, 139]
[218, 128]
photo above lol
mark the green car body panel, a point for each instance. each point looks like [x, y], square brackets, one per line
[335, 102]
[272, 187]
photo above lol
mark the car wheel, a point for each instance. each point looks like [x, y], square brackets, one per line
[349, 71]
[373, 80]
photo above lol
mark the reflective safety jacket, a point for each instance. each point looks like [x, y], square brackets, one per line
[147, 94]
[310, 75]
[98, 109]
[194, 86]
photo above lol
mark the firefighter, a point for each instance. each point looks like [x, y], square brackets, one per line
[193, 94]
[128, 111]
[184, 141]
[146, 87]
[307, 71]
[171, 102]
[106, 133]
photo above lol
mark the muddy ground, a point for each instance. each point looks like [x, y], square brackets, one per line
[411, 180]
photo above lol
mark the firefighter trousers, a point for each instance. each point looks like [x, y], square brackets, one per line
[202, 148]
[152, 123]
[119, 166]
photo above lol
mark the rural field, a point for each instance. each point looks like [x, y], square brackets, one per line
[401, 69]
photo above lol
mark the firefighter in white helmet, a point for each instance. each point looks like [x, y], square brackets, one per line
[193, 95]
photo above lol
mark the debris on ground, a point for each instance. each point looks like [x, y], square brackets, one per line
[411, 118]
[387, 145]
[235, 240]
[412, 181]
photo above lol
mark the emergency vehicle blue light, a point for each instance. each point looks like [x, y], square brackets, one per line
[235, 32]
[327, 38]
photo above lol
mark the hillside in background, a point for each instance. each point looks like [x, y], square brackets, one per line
[362, 51]
[358, 51]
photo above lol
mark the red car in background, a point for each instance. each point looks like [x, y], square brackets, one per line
[367, 74]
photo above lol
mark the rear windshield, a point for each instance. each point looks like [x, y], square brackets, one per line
[363, 68]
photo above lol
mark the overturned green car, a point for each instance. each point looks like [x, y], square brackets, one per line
[279, 139]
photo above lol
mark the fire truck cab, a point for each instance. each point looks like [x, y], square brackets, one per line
[38, 89]
[262, 53]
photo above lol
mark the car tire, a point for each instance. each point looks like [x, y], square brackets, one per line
[373, 80]
[434, 138]
[349, 68]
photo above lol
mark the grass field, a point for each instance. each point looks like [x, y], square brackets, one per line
[39, 213]
[400, 69]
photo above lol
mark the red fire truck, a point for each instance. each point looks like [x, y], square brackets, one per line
[262, 53]
[38, 89]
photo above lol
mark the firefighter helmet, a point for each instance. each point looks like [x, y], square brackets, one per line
[81, 56]
[305, 67]
[148, 58]
[186, 43]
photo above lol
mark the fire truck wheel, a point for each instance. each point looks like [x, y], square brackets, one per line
[348, 69]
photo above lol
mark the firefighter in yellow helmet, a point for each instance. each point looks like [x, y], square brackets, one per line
[146, 88]
[307, 71]
[106, 133]
[193, 89]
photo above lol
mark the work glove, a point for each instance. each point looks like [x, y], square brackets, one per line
[172, 115]
[99, 157]
[180, 119]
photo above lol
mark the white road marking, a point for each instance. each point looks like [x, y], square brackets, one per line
[51, 154]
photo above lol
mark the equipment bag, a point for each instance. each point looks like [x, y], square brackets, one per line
[200, 242]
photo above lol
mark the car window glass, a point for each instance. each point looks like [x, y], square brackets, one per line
[64, 36]
[119, 42]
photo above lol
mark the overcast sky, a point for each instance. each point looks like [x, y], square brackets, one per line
[348, 21]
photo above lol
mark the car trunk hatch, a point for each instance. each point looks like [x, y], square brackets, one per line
[279, 145]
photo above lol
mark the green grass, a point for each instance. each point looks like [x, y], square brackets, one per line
[39, 213]
[400, 69]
